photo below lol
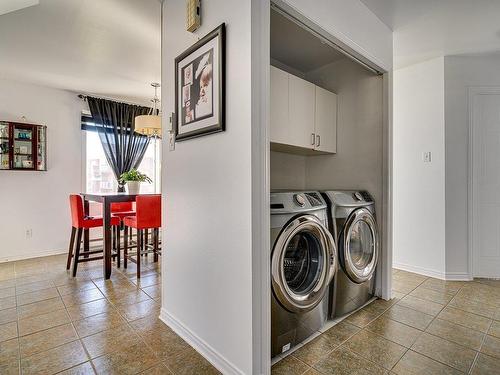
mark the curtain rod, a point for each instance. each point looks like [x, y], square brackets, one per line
[84, 97]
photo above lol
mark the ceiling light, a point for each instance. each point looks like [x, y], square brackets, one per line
[150, 124]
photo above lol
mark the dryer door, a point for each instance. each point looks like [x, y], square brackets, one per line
[303, 262]
[359, 245]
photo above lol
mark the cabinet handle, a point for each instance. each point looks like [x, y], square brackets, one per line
[318, 140]
[312, 139]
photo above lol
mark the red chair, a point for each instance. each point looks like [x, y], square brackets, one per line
[79, 223]
[148, 216]
[121, 210]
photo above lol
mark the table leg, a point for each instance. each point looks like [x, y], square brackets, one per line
[86, 232]
[106, 211]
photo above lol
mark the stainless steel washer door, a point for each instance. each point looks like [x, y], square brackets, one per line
[303, 262]
[359, 245]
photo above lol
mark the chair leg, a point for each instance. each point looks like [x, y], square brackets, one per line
[139, 245]
[155, 248]
[113, 236]
[125, 247]
[76, 256]
[71, 246]
[145, 241]
[118, 250]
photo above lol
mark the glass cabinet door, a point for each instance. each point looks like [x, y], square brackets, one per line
[23, 147]
[4, 145]
[41, 156]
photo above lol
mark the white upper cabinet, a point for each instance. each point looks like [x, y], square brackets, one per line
[325, 120]
[303, 115]
[279, 105]
[301, 109]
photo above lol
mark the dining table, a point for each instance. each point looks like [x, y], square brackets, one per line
[105, 199]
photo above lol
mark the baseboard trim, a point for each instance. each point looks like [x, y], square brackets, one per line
[214, 357]
[32, 256]
[448, 276]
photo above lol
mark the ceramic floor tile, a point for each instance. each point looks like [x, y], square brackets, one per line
[464, 318]
[9, 357]
[413, 318]
[34, 287]
[289, 366]
[495, 329]
[8, 315]
[116, 339]
[417, 364]
[404, 286]
[344, 362]
[190, 362]
[39, 295]
[475, 307]
[78, 312]
[422, 305]
[8, 331]
[42, 322]
[491, 346]
[314, 350]
[7, 303]
[486, 365]
[133, 361]
[98, 323]
[76, 287]
[140, 310]
[160, 369]
[82, 297]
[54, 360]
[128, 298]
[443, 286]
[7, 292]
[396, 332]
[456, 333]
[40, 308]
[362, 318]
[444, 351]
[154, 291]
[440, 297]
[48, 339]
[82, 369]
[340, 332]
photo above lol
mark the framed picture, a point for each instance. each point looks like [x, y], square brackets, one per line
[200, 86]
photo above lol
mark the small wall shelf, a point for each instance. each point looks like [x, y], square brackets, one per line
[23, 146]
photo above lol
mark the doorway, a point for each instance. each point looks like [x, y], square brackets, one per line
[484, 182]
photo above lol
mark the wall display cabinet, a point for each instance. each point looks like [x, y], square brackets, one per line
[23, 146]
[303, 115]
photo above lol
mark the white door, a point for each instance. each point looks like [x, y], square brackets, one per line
[486, 183]
[325, 121]
[279, 105]
[301, 113]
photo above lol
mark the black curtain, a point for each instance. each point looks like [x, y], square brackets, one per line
[115, 123]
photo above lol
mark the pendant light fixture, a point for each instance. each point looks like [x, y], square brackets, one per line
[150, 124]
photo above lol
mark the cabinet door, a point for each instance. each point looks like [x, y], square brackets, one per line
[279, 106]
[301, 112]
[325, 124]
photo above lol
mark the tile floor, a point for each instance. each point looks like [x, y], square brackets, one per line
[429, 327]
[53, 323]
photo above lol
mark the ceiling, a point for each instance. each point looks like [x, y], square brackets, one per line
[109, 48]
[298, 48]
[424, 29]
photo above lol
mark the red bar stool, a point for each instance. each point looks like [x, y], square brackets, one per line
[121, 210]
[79, 223]
[148, 216]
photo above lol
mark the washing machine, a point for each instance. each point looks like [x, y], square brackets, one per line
[303, 263]
[351, 220]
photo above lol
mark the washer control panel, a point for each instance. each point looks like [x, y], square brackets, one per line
[296, 201]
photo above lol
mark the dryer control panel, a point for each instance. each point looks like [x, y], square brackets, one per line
[296, 201]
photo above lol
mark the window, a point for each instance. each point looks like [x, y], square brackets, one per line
[99, 177]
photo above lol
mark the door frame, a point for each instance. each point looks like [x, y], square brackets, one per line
[473, 91]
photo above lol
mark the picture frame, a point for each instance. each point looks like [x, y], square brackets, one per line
[200, 87]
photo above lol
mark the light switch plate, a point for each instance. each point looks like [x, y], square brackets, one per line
[193, 15]
[171, 141]
[427, 156]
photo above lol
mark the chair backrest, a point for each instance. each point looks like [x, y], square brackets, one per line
[148, 211]
[122, 207]
[77, 213]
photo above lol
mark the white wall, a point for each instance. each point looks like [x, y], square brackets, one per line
[39, 200]
[353, 24]
[418, 187]
[461, 72]
[288, 171]
[207, 187]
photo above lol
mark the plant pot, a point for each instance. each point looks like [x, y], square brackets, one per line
[133, 187]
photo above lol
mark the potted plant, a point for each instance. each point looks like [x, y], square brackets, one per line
[133, 179]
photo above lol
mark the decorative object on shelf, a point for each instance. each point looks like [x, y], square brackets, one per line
[23, 146]
[133, 179]
[150, 124]
[200, 87]
[193, 15]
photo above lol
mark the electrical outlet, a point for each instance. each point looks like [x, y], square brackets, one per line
[171, 141]
[427, 157]
[29, 233]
